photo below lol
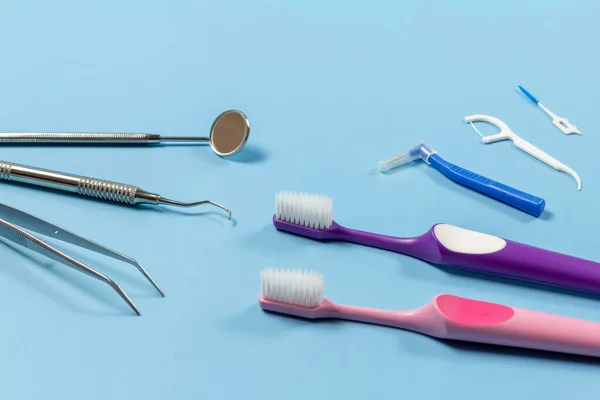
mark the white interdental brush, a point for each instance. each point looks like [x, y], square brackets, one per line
[561, 123]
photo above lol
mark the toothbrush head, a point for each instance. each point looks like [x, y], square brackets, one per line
[305, 214]
[294, 292]
[421, 151]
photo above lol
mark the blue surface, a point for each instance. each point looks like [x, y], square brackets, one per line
[330, 88]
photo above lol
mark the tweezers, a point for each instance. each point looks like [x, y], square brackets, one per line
[13, 223]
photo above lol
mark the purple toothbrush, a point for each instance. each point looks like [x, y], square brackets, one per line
[312, 216]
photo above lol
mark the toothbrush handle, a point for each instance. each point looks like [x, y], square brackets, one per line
[485, 253]
[484, 322]
[452, 246]
[523, 201]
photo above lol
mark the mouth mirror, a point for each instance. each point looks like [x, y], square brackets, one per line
[229, 133]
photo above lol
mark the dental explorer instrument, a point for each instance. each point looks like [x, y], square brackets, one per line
[228, 135]
[561, 123]
[14, 224]
[90, 187]
[523, 201]
[507, 133]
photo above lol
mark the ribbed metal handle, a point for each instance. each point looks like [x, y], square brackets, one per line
[5, 168]
[107, 190]
[76, 137]
[90, 187]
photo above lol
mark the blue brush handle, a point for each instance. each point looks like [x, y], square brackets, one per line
[523, 201]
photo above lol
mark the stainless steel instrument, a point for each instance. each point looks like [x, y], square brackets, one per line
[90, 187]
[13, 225]
[228, 135]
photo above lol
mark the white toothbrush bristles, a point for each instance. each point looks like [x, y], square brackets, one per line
[301, 288]
[310, 210]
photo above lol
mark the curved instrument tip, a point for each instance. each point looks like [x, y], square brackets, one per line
[164, 200]
[577, 179]
[575, 176]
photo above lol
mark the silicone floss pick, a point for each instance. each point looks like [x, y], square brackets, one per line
[507, 133]
[523, 201]
[561, 123]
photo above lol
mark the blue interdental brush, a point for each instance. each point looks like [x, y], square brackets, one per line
[523, 201]
[561, 123]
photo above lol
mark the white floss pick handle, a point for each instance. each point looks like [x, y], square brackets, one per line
[522, 144]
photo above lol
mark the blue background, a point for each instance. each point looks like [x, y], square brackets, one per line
[329, 88]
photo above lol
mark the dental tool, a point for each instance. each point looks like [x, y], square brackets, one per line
[507, 133]
[228, 135]
[561, 123]
[523, 201]
[14, 224]
[301, 293]
[90, 187]
[311, 216]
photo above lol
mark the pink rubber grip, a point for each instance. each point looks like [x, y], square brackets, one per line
[483, 322]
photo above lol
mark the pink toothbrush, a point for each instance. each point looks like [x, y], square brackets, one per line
[300, 293]
[311, 216]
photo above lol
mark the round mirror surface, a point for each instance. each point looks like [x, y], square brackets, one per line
[229, 133]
